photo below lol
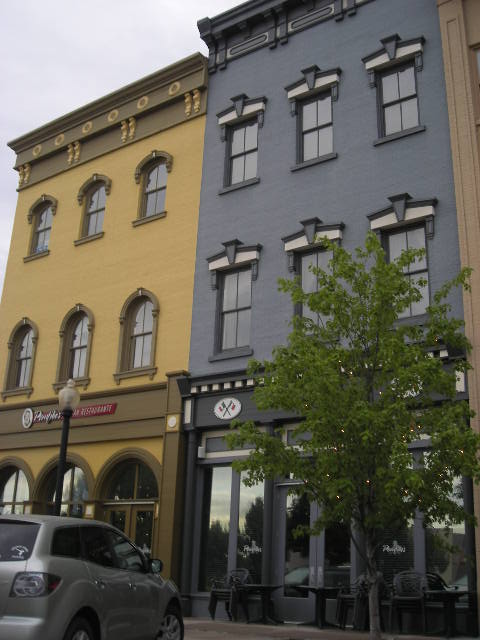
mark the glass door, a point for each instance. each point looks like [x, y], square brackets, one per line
[294, 555]
[136, 521]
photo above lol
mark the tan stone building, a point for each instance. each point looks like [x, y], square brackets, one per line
[460, 29]
[98, 288]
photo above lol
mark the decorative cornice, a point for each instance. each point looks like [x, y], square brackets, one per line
[312, 234]
[314, 81]
[231, 34]
[394, 51]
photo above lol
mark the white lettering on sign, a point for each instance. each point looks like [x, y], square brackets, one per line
[227, 408]
[396, 549]
[31, 416]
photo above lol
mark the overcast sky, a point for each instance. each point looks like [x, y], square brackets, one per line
[57, 55]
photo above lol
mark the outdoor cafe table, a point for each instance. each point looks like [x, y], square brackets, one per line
[448, 597]
[265, 591]
[321, 596]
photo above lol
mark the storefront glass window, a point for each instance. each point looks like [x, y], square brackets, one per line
[250, 529]
[132, 481]
[395, 552]
[74, 492]
[13, 491]
[215, 526]
[446, 548]
[337, 556]
[297, 545]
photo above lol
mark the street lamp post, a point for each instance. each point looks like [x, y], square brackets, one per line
[68, 399]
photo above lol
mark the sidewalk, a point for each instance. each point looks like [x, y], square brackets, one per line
[205, 629]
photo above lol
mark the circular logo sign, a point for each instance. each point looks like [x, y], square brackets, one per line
[227, 408]
[27, 418]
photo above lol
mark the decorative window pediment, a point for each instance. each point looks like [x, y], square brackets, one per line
[44, 199]
[394, 51]
[314, 81]
[312, 234]
[89, 184]
[404, 210]
[242, 108]
[153, 157]
[235, 255]
[20, 359]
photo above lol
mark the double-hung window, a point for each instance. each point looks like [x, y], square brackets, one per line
[236, 309]
[398, 97]
[316, 127]
[243, 152]
[43, 227]
[239, 126]
[393, 70]
[95, 211]
[411, 238]
[318, 259]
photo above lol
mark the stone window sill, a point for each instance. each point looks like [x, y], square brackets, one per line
[36, 256]
[21, 391]
[240, 185]
[94, 236]
[231, 353]
[145, 219]
[315, 161]
[134, 373]
[398, 135]
[79, 382]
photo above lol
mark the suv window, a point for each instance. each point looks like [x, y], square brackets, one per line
[95, 546]
[66, 542]
[126, 556]
[17, 540]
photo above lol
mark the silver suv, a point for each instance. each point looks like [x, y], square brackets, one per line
[71, 579]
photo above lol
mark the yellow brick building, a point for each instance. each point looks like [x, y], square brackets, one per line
[98, 288]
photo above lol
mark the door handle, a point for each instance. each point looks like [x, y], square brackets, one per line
[132, 585]
[100, 583]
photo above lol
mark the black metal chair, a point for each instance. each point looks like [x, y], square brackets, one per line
[225, 591]
[355, 599]
[408, 596]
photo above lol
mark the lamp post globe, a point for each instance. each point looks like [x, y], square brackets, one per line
[68, 399]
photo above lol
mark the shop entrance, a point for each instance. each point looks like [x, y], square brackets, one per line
[136, 521]
[131, 502]
[300, 559]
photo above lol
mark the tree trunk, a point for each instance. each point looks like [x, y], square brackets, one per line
[373, 590]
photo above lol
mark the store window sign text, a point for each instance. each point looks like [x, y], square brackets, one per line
[31, 416]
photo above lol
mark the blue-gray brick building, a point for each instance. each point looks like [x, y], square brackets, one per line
[325, 117]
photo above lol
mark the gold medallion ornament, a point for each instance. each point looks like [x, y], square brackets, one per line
[59, 139]
[36, 150]
[142, 103]
[87, 127]
[113, 115]
[173, 88]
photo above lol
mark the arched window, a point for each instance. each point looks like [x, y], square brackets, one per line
[141, 335]
[93, 196]
[74, 493]
[94, 211]
[13, 490]
[155, 190]
[151, 174]
[75, 343]
[78, 349]
[21, 346]
[40, 217]
[131, 498]
[138, 330]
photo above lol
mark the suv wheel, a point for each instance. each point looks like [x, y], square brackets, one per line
[79, 629]
[172, 625]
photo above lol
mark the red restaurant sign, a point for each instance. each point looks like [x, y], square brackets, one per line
[33, 416]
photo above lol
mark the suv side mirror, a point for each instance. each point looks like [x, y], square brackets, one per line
[155, 565]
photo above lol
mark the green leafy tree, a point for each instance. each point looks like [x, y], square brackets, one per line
[364, 387]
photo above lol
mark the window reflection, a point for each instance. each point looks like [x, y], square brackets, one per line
[132, 481]
[215, 525]
[13, 490]
[297, 544]
[447, 547]
[74, 492]
[250, 529]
